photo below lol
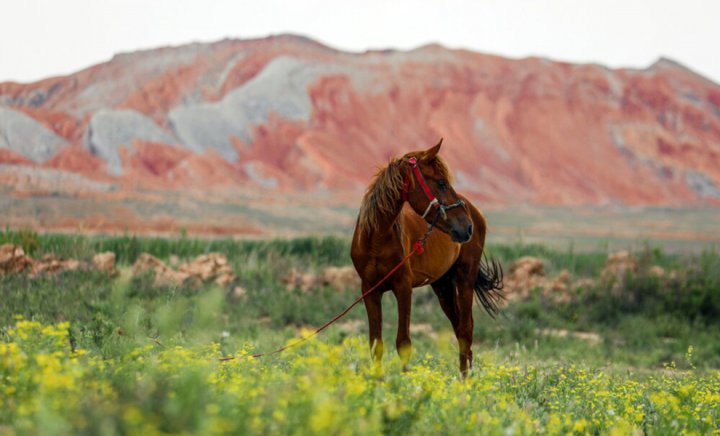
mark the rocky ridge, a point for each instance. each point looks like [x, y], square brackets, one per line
[285, 113]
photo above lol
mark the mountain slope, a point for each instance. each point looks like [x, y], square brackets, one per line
[284, 114]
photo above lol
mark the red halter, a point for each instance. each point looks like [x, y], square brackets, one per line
[423, 184]
[441, 208]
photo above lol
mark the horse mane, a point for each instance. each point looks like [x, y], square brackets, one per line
[383, 193]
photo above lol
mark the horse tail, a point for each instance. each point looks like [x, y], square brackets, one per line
[489, 285]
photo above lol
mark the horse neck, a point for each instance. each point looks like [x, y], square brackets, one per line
[387, 220]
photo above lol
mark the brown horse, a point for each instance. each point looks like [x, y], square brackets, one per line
[407, 196]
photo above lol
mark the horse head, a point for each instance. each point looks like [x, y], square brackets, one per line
[427, 188]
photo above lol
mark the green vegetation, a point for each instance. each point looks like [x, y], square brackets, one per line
[86, 352]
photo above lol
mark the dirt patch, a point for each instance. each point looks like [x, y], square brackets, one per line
[13, 259]
[239, 292]
[164, 275]
[207, 267]
[337, 278]
[659, 272]
[590, 337]
[211, 267]
[105, 262]
[51, 264]
[204, 268]
[528, 273]
[423, 329]
[297, 280]
[352, 326]
[617, 268]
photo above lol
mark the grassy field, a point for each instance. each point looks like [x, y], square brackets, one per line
[84, 352]
[252, 215]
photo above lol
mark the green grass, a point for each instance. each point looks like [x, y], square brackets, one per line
[643, 330]
[650, 322]
[326, 251]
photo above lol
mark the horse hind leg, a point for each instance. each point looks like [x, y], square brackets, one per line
[456, 302]
[464, 331]
[466, 275]
[444, 289]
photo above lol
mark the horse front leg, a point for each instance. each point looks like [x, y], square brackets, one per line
[464, 330]
[373, 307]
[403, 293]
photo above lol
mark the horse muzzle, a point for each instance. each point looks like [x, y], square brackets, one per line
[461, 235]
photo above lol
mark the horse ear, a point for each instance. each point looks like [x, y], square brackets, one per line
[430, 153]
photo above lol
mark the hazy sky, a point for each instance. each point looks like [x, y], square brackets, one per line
[42, 38]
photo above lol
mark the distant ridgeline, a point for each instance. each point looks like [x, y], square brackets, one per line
[285, 113]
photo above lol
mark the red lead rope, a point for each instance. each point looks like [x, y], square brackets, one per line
[418, 247]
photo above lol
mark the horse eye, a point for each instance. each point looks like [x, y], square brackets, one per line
[442, 184]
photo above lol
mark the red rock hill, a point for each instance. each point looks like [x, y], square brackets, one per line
[287, 113]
